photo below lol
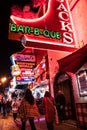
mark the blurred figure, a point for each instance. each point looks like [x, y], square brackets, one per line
[14, 106]
[0, 105]
[39, 102]
[48, 103]
[60, 105]
[9, 106]
[19, 102]
[1, 96]
[4, 106]
[28, 110]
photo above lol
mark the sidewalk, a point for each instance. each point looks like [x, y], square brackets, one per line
[9, 124]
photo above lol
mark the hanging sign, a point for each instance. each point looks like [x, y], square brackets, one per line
[22, 57]
[43, 22]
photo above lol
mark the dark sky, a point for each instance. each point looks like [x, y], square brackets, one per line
[7, 47]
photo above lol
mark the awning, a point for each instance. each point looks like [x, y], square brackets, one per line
[73, 62]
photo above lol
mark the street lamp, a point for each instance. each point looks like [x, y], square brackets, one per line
[3, 81]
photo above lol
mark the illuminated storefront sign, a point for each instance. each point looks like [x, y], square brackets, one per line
[26, 75]
[27, 65]
[24, 79]
[27, 72]
[52, 24]
[21, 57]
[23, 66]
[24, 61]
[15, 70]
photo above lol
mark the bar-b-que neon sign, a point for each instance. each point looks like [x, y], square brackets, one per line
[53, 27]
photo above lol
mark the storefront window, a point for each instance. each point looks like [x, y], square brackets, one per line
[82, 82]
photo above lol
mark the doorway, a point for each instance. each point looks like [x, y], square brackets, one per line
[63, 82]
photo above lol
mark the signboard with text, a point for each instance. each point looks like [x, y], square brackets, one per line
[26, 75]
[23, 66]
[22, 57]
[43, 23]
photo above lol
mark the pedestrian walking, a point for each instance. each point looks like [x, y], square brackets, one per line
[28, 110]
[14, 106]
[49, 105]
[4, 106]
[9, 106]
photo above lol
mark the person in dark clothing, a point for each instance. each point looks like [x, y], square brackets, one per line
[4, 106]
[8, 106]
[60, 105]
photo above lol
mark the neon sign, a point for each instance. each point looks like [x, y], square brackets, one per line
[35, 31]
[27, 65]
[53, 27]
[21, 57]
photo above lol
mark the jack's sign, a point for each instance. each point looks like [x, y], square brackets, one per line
[43, 22]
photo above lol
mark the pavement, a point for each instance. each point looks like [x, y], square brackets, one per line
[8, 123]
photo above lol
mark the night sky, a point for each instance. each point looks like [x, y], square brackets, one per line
[7, 47]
